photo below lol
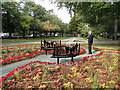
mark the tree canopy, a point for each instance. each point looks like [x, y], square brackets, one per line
[99, 16]
[28, 18]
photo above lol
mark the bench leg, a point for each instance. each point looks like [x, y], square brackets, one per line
[72, 59]
[58, 60]
[46, 52]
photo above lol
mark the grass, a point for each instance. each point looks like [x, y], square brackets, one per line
[99, 38]
[103, 45]
[33, 39]
[107, 46]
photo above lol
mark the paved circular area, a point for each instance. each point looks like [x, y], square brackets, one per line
[44, 58]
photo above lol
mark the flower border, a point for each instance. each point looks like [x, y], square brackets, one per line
[45, 63]
[3, 79]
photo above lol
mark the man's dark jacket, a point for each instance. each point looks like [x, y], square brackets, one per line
[90, 39]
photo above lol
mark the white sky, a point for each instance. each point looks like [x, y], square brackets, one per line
[61, 13]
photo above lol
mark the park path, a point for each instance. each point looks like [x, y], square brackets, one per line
[44, 58]
[13, 43]
[47, 58]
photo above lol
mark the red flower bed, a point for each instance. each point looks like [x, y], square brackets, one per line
[94, 73]
[17, 56]
[75, 63]
[70, 63]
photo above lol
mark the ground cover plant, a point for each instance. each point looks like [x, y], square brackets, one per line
[95, 72]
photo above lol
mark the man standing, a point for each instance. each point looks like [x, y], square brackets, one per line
[90, 41]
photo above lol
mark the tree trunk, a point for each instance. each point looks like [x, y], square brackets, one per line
[46, 34]
[115, 29]
[23, 34]
[33, 33]
[10, 34]
[39, 34]
[62, 33]
[26, 33]
[54, 34]
[50, 33]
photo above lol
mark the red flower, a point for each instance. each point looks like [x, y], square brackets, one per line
[117, 86]
[28, 75]
[11, 81]
[56, 81]
[39, 73]
[101, 81]
[80, 76]
[39, 70]
[95, 67]
[29, 68]
[103, 72]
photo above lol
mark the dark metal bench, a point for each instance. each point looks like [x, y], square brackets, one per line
[64, 56]
[60, 51]
[68, 52]
[47, 46]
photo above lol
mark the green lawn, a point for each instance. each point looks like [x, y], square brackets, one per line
[99, 38]
[107, 46]
[33, 39]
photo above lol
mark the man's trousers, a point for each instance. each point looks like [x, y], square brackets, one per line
[89, 48]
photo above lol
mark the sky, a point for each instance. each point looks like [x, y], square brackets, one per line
[61, 13]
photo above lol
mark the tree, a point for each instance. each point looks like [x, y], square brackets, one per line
[37, 26]
[27, 18]
[96, 14]
[49, 27]
[39, 16]
[10, 17]
[25, 24]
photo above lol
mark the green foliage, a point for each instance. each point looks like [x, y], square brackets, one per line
[47, 82]
[99, 15]
[91, 71]
[44, 73]
[17, 75]
[96, 36]
[25, 22]
[26, 18]
[10, 16]
[95, 85]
